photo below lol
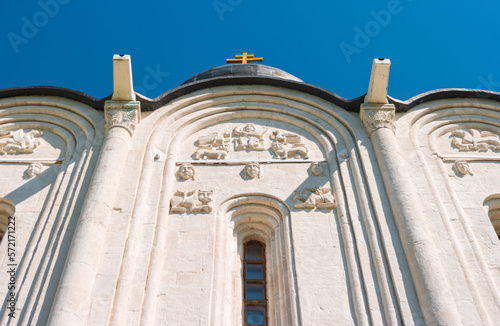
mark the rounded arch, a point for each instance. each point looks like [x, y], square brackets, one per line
[203, 103]
[443, 133]
[165, 130]
[48, 206]
[243, 218]
[493, 204]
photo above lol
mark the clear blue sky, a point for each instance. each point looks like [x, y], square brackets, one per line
[330, 44]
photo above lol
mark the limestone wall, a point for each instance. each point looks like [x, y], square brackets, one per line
[385, 221]
[453, 148]
[334, 258]
[48, 149]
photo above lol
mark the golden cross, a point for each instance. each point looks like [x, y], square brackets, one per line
[244, 58]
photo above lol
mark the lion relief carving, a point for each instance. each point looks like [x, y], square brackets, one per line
[285, 151]
[287, 144]
[194, 201]
[217, 153]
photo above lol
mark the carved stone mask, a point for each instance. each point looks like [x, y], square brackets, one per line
[34, 169]
[252, 170]
[249, 127]
[463, 167]
[186, 172]
[316, 169]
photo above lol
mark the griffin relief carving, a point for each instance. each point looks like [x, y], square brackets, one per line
[19, 142]
[318, 197]
[474, 140]
[194, 201]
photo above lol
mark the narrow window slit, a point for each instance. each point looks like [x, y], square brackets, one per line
[254, 278]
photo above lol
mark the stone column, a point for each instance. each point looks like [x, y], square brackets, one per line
[436, 301]
[73, 300]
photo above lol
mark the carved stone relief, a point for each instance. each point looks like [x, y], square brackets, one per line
[194, 201]
[34, 169]
[287, 145]
[309, 198]
[19, 142]
[376, 119]
[249, 137]
[122, 118]
[214, 145]
[250, 141]
[316, 169]
[462, 168]
[186, 172]
[474, 140]
[252, 170]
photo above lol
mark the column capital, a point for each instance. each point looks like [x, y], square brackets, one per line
[123, 114]
[376, 116]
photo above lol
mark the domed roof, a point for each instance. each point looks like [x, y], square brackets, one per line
[240, 70]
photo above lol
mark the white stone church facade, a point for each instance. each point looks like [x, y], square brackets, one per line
[248, 197]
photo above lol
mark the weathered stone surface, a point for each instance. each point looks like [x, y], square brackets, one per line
[370, 218]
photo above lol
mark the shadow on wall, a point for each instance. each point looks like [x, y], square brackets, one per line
[34, 184]
[44, 181]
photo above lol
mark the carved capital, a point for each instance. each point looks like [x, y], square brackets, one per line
[123, 114]
[378, 116]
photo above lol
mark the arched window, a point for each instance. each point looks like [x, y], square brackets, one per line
[254, 272]
[7, 210]
[254, 279]
[493, 203]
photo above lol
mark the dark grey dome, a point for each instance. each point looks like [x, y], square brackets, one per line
[240, 70]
